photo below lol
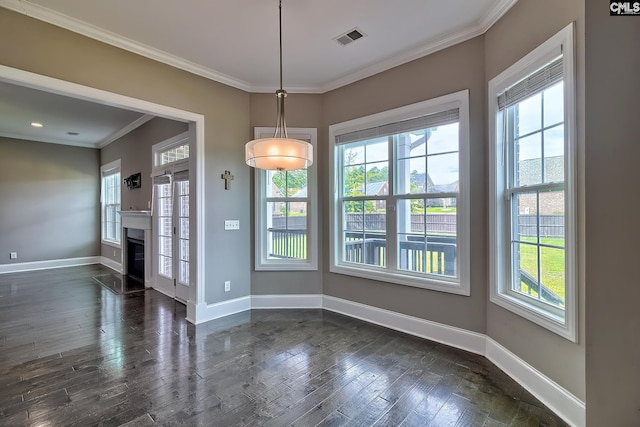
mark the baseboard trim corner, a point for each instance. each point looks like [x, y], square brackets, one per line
[221, 309]
[445, 334]
[51, 263]
[114, 265]
[555, 397]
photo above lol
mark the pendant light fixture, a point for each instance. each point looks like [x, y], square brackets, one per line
[280, 152]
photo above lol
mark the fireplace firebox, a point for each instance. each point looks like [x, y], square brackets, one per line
[135, 254]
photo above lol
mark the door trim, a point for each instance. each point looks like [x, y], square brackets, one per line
[196, 161]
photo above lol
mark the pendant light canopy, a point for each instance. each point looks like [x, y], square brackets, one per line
[280, 152]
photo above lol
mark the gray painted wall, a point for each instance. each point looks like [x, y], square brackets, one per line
[451, 70]
[42, 48]
[134, 152]
[612, 154]
[528, 24]
[49, 201]
[302, 111]
[612, 318]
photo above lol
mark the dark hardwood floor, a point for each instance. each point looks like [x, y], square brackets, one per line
[74, 353]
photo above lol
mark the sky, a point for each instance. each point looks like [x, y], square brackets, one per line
[439, 157]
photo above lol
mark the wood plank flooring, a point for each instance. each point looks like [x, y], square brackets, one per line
[74, 353]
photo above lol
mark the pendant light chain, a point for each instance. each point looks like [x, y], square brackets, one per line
[280, 152]
[281, 94]
[280, 29]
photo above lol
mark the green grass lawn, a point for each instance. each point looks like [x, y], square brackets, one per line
[552, 265]
[441, 210]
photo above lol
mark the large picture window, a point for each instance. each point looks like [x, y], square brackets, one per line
[286, 206]
[400, 205]
[533, 186]
[110, 201]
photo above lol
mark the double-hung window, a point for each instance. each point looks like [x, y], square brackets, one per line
[400, 199]
[533, 191]
[286, 212]
[110, 201]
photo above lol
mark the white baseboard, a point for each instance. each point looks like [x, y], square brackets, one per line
[163, 292]
[558, 399]
[449, 335]
[52, 263]
[203, 313]
[114, 265]
[561, 401]
[287, 301]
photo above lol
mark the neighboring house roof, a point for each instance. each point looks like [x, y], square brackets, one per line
[377, 188]
[419, 179]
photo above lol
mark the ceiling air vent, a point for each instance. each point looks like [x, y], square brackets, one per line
[350, 36]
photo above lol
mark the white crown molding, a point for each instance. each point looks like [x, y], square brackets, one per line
[422, 51]
[49, 140]
[432, 46]
[125, 130]
[77, 26]
[101, 144]
[51, 263]
[495, 13]
[97, 33]
[289, 89]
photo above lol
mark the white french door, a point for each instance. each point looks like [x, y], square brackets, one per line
[171, 235]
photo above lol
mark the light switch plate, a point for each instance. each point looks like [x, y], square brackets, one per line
[232, 224]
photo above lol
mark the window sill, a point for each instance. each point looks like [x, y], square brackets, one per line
[286, 267]
[111, 243]
[535, 314]
[452, 286]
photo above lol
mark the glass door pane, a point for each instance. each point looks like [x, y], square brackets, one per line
[165, 230]
[182, 222]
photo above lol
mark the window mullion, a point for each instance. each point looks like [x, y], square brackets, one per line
[392, 209]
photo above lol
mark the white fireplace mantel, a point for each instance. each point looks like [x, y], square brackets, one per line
[136, 219]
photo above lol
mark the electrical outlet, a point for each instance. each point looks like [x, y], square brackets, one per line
[13, 255]
[227, 286]
[232, 224]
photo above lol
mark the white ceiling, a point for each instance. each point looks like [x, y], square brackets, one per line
[96, 125]
[236, 42]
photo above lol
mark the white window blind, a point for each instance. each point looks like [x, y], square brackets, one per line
[534, 83]
[423, 122]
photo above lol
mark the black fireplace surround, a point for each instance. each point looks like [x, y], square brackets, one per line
[135, 254]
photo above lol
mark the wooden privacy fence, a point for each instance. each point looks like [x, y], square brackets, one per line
[550, 225]
[430, 223]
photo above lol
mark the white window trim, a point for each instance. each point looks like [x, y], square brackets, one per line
[262, 263]
[159, 148]
[459, 285]
[113, 167]
[563, 325]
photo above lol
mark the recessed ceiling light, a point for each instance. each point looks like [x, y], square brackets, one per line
[36, 124]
